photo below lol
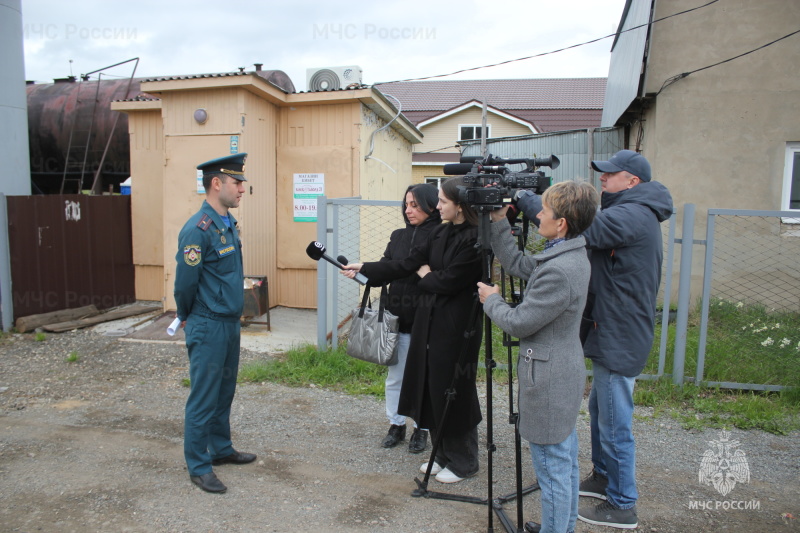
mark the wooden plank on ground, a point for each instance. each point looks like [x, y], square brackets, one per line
[112, 314]
[31, 322]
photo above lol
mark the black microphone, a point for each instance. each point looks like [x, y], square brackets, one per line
[457, 169]
[342, 259]
[316, 251]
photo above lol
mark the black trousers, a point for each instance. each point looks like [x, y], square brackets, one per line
[458, 453]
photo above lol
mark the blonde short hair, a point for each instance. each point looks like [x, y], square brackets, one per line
[574, 201]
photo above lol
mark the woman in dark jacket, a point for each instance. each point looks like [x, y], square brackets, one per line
[449, 268]
[421, 216]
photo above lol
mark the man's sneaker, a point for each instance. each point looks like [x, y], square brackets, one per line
[604, 514]
[594, 486]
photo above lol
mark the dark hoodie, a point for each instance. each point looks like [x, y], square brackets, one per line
[404, 295]
[626, 251]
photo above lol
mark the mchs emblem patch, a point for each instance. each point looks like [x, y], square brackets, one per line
[192, 254]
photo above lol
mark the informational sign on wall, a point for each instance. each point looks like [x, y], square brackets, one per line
[306, 189]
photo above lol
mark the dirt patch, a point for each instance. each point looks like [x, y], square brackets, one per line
[96, 445]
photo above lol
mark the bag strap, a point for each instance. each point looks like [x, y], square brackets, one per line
[384, 299]
[364, 302]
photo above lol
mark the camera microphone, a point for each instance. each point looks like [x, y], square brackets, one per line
[316, 251]
[457, 169]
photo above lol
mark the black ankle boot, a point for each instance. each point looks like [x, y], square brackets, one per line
[395, 435]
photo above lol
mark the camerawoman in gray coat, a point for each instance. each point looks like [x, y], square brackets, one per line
[547, 321]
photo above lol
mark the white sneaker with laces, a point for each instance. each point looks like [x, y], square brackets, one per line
[435, 470]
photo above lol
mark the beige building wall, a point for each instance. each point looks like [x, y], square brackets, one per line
[718, 136]
[387, 171]
[313, 139]
[442, 135]
[147, 168]
[283, 135]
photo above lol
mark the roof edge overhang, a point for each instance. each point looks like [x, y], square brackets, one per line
[369, 97]
[475, 103]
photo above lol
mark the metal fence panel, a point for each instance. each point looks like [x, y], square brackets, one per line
[70, 251]
[359, 230]
[751, 260]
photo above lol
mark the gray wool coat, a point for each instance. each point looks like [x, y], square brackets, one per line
[551, 370]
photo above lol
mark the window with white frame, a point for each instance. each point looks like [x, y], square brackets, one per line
[791, 178]
[435, 181]
[467, 132]
[790, 199]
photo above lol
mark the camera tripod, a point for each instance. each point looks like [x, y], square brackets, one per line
[494, 505]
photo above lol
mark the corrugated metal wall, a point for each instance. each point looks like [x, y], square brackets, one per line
[70, 251]
[625, 71]
[571, 147]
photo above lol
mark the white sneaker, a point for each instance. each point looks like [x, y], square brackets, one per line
[446, 476]
[435, 470]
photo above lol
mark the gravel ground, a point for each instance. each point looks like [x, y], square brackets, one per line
[96, 445]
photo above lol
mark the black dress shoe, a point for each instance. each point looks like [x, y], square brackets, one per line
[209, 483]
[533, 527]
[395, 435]
[236, 458]
[418, 440]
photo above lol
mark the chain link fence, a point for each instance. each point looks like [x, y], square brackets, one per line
[754, 260]
[750, 263]
[751, 283]
[359, 230]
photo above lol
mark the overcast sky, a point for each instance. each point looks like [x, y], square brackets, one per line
[389, 40]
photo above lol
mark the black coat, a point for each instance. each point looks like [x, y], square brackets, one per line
[440, 322]
[404, 293]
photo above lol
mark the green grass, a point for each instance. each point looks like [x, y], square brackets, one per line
[744, 344]
[737, 350]
[73, 357]
[39, 337]
[306, 366]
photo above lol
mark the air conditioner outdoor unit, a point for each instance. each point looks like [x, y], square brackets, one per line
[332, 78]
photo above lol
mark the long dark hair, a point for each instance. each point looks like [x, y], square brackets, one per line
[450, 190]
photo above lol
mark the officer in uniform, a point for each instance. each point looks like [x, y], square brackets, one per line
[209, 296]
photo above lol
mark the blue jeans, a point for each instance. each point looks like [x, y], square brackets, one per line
[613, 447]
[556, 467]
[394, 381]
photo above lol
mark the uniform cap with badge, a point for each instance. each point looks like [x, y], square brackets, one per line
[232, 165]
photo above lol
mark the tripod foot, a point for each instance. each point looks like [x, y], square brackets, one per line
[421, 490]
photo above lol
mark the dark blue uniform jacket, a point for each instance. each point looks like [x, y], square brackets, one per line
[209, 276]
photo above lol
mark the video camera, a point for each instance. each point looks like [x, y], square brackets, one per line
[490, 184]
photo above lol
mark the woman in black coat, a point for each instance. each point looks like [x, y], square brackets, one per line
[449, 267]
[421, 217]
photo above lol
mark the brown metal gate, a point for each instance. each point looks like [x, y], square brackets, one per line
[70, 251]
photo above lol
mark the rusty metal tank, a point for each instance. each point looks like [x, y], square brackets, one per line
[54, 107]
[52, 110]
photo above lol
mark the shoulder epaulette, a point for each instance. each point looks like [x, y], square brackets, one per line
[204, 223]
